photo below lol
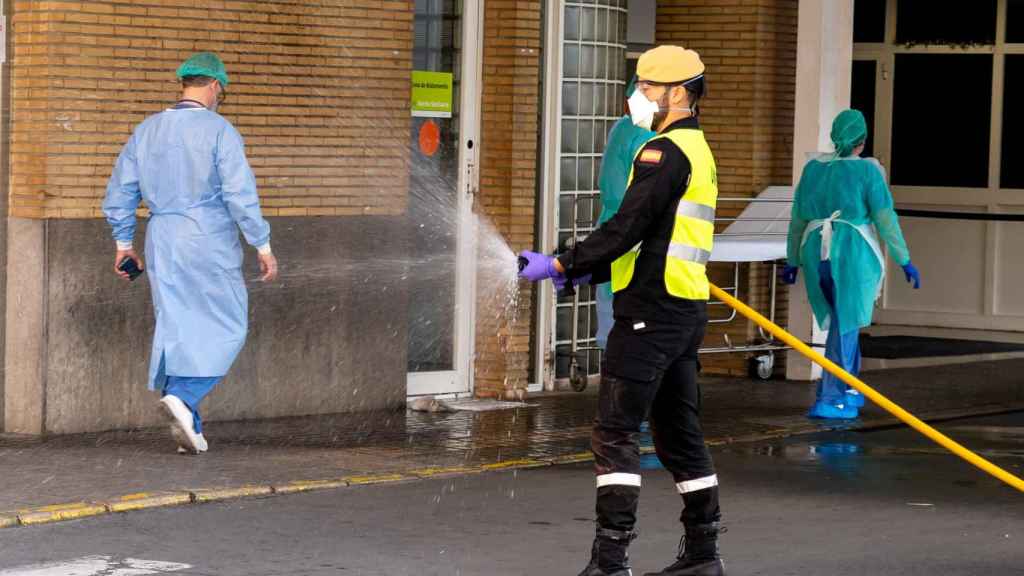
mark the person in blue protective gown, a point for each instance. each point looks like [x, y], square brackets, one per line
[841, 207]
[624, 142]
[188, 163]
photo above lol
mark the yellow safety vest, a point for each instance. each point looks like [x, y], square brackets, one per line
[693, 234]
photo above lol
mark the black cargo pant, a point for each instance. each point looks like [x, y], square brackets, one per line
[651, 372]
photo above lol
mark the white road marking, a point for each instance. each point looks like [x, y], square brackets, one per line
[97, 566]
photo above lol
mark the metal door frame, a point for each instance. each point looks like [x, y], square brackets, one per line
[459, 382]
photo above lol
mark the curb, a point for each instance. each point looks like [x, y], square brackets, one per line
[8, 520]
[59, 512]
[145, 500]
[150, 500]
[300, 486]
[205, 495]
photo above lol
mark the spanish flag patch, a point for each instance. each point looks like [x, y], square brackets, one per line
[650, 156]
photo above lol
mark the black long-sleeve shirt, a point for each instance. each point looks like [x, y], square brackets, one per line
[661, 172]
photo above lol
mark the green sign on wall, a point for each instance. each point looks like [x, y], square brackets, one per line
[432, 94]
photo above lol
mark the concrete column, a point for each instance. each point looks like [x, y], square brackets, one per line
[25, 346]
[824, 66]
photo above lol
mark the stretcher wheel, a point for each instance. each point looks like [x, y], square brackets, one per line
[578, 380]
[762, 366]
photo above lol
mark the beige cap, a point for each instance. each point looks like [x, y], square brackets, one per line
[669, 65]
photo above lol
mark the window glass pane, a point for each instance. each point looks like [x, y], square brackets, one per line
[1013, 120]
[568, 178]
[583, 322]
[600, 102]
[869, 20]
[572, 23]
[569, 136]
[1015, 21]
[862, 97]
[570, 98]
[586, 99]
[586, 173]
[571, 61]
[586, 136]
[589, 24]
[583, 212]
[945, 22]
[924, 124]
[602, 26]
[565, 211]
[564, 330]
[601, 68]
[587, 62]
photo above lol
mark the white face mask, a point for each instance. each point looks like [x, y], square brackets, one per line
[642, 110]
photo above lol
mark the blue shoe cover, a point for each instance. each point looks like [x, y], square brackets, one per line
[832, 412]
[854, 398]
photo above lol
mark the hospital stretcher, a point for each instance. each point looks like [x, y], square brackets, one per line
[757, 234]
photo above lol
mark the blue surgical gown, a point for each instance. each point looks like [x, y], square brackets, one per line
[189, 166]
[856, 188]
[624, 142]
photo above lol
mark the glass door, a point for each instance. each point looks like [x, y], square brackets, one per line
[442, 179]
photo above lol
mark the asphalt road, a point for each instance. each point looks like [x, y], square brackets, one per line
[840, 503]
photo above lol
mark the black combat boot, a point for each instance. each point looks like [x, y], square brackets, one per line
[608, 557]
[698, 553]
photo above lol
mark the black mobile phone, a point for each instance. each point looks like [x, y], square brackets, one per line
[129, 266]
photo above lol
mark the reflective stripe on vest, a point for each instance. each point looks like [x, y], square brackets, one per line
[689, 248]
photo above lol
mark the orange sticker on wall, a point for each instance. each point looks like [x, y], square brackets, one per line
[430, 138]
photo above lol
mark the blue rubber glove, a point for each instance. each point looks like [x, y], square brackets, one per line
[913, 276]
[538, 267]
[789, 274]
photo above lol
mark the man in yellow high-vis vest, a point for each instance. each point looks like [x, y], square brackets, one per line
[654, 251]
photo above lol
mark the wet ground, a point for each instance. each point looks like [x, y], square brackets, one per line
[884, 502]
[99, 467]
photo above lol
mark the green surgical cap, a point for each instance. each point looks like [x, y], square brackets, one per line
[849, 130]
[204, 64]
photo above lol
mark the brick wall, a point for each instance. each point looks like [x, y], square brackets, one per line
[749, 48]
[319, 89]
[508, 180]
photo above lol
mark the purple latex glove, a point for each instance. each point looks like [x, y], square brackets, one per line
[560, 281]
[538, 267]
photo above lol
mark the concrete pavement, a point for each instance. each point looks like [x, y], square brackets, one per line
[842, 503]
[70, 477]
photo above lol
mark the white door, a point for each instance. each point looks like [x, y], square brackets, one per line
[443, 171]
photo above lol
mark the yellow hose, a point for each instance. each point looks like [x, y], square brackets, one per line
[888, 405]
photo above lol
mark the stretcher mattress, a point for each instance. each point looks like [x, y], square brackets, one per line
[759, 233]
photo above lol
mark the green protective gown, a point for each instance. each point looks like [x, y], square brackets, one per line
[856, 188]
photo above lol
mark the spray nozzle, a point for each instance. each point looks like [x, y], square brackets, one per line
[522, 263]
